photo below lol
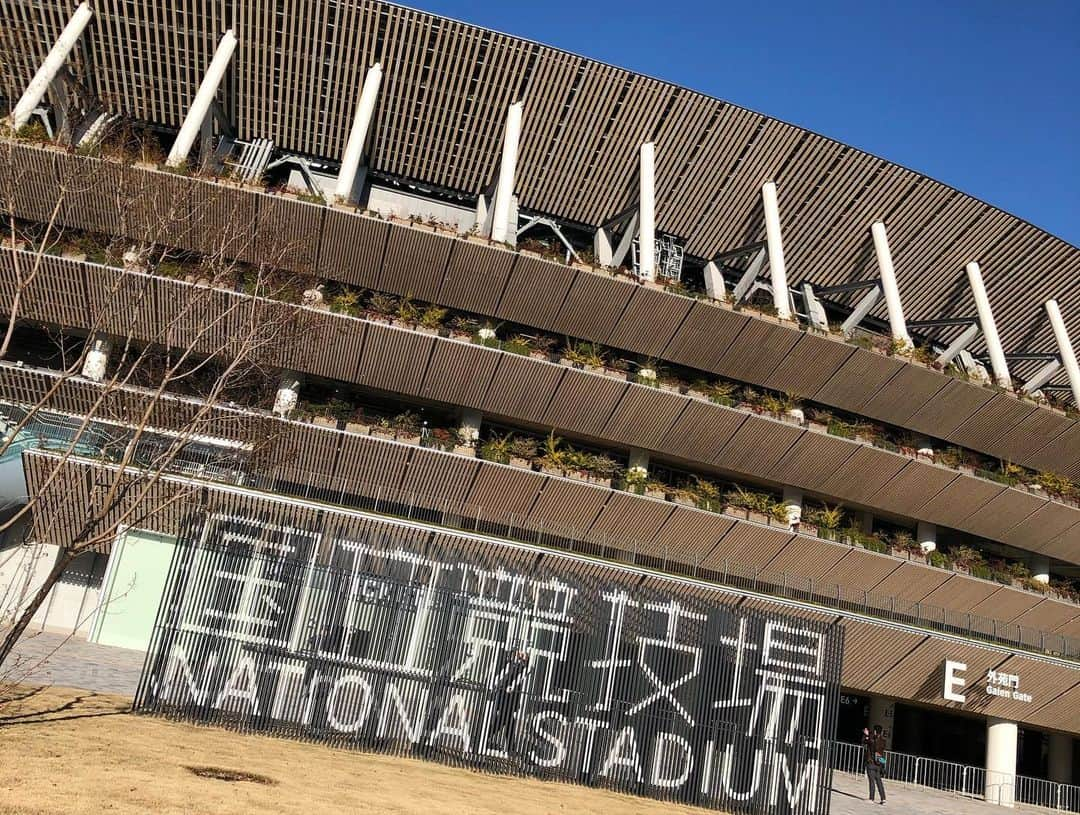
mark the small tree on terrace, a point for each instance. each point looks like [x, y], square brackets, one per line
[197, 337]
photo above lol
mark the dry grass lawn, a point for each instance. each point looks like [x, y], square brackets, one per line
[68, 751]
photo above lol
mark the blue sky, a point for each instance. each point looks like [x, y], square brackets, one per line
[983, 95]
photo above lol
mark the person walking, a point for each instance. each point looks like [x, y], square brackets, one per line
[873, 745]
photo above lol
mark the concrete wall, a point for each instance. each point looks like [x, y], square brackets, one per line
[70, 605]
[401, 204]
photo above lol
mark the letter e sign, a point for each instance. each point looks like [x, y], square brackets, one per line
[953, 681]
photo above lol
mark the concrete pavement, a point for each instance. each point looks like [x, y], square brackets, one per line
[45, 658]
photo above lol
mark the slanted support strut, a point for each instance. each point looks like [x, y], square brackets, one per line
[502, 231]
[354, 147]
[1068, 353]
[51, 67]
[775, 243]
[204, 98]
[897, 324]
[989, 328]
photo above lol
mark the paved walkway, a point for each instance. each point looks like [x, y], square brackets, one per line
[52, 659]
[849, 798]
[45, 658]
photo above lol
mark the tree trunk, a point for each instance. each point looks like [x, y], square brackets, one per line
[15, 632]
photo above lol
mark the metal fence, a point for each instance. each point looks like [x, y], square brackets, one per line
[475, 656]
[960, 779]
[224, 464]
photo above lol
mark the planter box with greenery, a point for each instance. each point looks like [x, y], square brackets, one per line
[383, 427]
[760, 506]
[440, 438]
[737, 512]
[825, 519]
[654, 489]
[407, 426]
[634, 480]
[903, 544]
[431, 320]
[684, 496]
[381, 308]
[698, 389]
[496, 448]
[583, 355]
[522, 451]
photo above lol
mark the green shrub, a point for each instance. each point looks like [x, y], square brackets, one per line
[496, 449]
[939, 559]
[826, 517]
[517, 345]
[433, 316]
[584, 353]
[523, 447]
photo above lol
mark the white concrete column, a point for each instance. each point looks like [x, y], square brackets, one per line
[1001, 738]
[897, 324]
[96, 362]
[54, 61]
[793, 503]
[354, 147]
[959, 344]
[1059, 758]
[1065, 347]
[714, 281]
[989, 328]
[502, 231]
[1040, 569]
[927, 536]
[647, 213]
[774, 239]
[470, 425]
[866, 521]
[204, 97]
[882, 712]
[288, 394]
[1034, 383]
[603, 251]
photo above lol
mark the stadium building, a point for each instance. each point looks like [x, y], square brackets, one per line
[529, 321]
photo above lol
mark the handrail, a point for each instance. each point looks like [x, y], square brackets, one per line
[962, 780]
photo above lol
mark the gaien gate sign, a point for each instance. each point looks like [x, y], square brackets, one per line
[998, 683]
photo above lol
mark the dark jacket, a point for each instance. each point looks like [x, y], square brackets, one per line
[873, 749]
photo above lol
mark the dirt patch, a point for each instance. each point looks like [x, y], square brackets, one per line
[70, 752]
[221, 774]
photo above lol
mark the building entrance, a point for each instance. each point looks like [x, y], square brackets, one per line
[852, 718]
[943, 736]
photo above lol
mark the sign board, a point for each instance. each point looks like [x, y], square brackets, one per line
[543, 665]
[997, 683]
